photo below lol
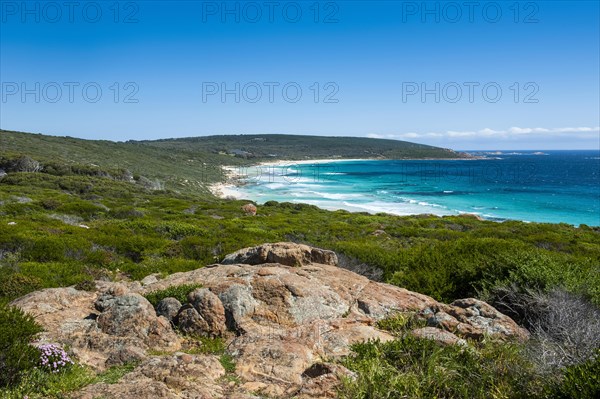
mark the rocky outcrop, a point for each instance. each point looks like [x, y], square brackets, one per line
[284, 253]
[104, 328]
[285, 310]
[473, 319]
[250, 209]
[211, 309]
[438, 335]
[168, 308]
[174, 376]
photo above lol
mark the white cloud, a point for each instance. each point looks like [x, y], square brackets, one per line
[510, 133]
[451, 133]
[488, 132]
[579, 129]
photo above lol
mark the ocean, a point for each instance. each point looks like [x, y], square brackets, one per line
[532, 186]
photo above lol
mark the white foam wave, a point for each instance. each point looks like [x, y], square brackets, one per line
[338, 196]
[274, 186]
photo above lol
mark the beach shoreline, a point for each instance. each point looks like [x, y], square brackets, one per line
[337, 160]
[228, 189]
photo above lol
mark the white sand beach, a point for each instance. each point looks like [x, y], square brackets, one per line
[313, 161]
[235, 174]
[225, 190]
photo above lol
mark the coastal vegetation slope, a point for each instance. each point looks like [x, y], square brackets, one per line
[73, 212]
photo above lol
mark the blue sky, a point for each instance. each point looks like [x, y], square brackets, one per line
[494, 75]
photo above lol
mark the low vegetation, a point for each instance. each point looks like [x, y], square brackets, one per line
[16, 355]
[179, 292]
[114, 373]
[420, 368]
[70, 225]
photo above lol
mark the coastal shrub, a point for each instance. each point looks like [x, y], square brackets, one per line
[22, 164]
[83, 209]
[565, 327]
[126, 212]
[56, 274]
[86, 285]
[179, 292]
[448, 270]
[45, 249]
[372, 254]
[19, 208]
[415, 368]
[358, 267]
[178, 230]
[72, 220]
[545, 270]
[9, 260]
[50, 204]
[15, 285]
[17, 356]
[194, 247]
[133, 246]
[57, 168]
[37, 180]
[581, 381]
[100, 256]
[75, 185]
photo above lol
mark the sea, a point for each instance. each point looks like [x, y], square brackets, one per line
[531, 186]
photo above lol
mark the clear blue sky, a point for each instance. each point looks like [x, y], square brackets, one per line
[370, 62]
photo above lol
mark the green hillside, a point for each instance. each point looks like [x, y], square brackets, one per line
[292, 147]
[189, 164]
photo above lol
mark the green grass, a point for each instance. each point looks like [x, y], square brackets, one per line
[205, 346]
[400, 322]
[228, 363]
[179, 292]
[114, 374]
[37, 384]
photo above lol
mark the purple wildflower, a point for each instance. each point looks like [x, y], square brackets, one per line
[53, 358]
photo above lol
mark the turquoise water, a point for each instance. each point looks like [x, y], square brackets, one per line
[550, 186]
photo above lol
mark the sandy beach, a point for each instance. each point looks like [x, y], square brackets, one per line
[225, 190]
[313, 161]
[236, 174]
[228, 189]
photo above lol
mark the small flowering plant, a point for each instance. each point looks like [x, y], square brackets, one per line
[53, 358]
